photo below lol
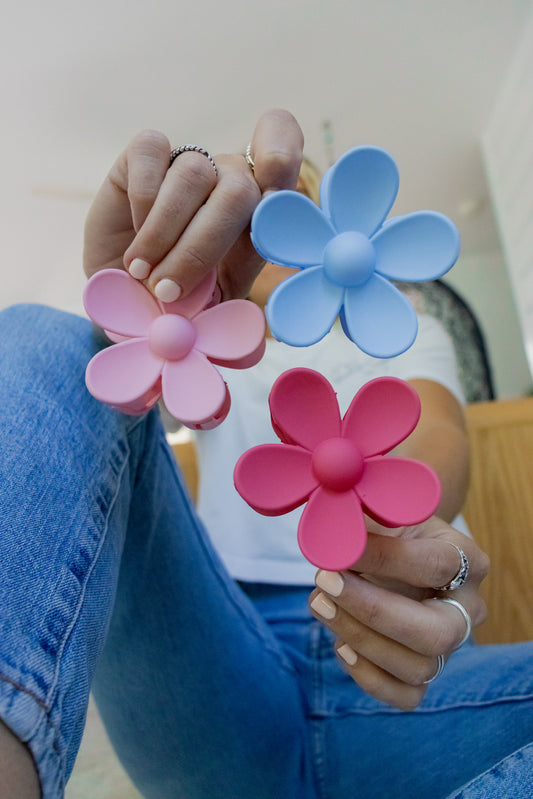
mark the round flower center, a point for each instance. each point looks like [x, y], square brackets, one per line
[337, 464]
[349, 259]
[171, 337]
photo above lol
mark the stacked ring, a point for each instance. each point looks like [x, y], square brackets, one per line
[440, 668]
[466, 616]
[460, 577]
[191, 148]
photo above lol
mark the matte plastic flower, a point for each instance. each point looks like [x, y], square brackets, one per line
[348, 254]
[338, 465]
[168, 349]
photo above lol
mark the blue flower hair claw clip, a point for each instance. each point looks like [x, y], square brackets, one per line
[348, 252]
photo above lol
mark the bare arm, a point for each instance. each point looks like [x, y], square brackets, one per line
[440, 440]
[18, 775]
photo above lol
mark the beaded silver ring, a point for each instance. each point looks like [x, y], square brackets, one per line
[191, 148]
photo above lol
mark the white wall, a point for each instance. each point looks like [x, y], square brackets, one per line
[508, 151]
[41, 254]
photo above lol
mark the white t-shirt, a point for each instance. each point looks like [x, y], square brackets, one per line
[264, 549]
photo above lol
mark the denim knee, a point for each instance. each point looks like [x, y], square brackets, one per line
[43, 344]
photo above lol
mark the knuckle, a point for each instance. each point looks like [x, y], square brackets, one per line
[280, 166]
[148, 245]
[372, 613]
[196, 260]
[196, 171]
[355, 635]
[440, 638]
[482, 565]
[421, 672]
[440, 564]
[241, 192]
[377, 554]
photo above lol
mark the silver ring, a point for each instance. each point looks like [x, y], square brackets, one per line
[464, 613]
[248, 156]
[440, 668]
[191, 148]
[460, 578]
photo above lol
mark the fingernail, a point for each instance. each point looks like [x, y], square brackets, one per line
[330, 582]
[167, 291]
[139, 269]
[347, 654]
[324, 607]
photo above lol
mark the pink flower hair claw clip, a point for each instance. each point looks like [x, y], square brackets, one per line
[169, 349]
[338, 465]
[348, 252]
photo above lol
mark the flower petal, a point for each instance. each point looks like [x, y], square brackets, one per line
[213, 421]
[274, 478]
[232, 333]
[289, 229]
[124, 375]
[117, 302]
[196, 301]
[193, 389]
[302, 309]
[332, 533]
[396, 491]
[359, 190]
[379, 318]
[304, 408]
[419, 246]
[382, 413]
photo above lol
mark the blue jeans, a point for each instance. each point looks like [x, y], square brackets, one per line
[207, 688]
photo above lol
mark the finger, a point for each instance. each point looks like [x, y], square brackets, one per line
[213, 230]
[389, 655]
[277, 148]
[379, 683]
[185, 188]
[429, 628]
[123, 201]
[469, 608]
[422, 562]
[142, 171]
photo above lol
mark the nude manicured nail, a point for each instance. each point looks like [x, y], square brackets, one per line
[347, 654]
[139, 269]
[324, 607]
[330, 582]
[167, 291]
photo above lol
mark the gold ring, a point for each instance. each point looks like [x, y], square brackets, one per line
[248, 157]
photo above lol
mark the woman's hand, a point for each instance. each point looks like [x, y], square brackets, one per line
[391, 630]
[176, 224]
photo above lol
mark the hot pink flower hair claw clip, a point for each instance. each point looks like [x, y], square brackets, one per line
[338, 465]
[169, 349]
